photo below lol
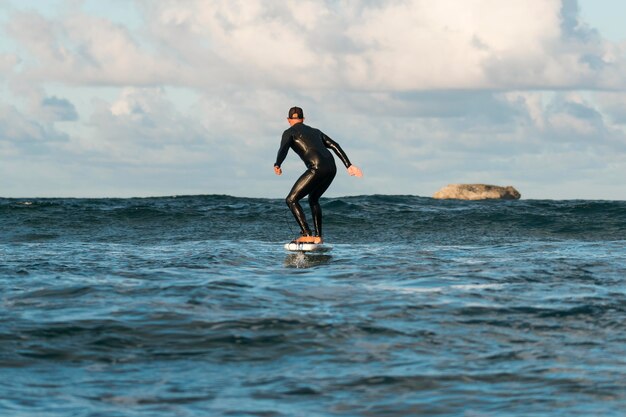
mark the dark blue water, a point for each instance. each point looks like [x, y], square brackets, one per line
[189, 306]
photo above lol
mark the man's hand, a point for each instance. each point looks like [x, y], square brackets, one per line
[277, 170]
[355, 171]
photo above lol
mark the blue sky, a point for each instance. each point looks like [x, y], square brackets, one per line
[142, 98]
[606, 16]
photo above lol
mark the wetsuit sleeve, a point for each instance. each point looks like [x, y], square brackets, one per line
[285, 143]
[331, 144]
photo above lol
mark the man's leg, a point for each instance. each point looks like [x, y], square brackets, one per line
[300, 189]
[314, 201]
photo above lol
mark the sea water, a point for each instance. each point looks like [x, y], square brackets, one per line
[189, 306]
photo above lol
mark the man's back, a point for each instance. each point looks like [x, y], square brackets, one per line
[309, 144]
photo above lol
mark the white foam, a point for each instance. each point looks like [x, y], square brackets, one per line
[421, 290]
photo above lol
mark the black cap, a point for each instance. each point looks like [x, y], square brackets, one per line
[295, 113]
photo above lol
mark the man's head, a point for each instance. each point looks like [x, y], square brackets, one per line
[295, 116]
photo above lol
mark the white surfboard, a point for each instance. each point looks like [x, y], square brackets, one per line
[307, 247]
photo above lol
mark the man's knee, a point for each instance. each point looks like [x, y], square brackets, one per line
[291, 200]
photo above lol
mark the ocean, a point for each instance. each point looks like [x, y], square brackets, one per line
[189, 306]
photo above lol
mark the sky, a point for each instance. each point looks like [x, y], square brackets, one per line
[137, 98]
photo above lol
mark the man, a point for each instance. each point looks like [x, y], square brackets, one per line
[312, 146]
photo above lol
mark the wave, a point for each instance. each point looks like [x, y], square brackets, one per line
[387, 218]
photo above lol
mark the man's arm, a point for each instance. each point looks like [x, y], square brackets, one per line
[353, 170]
[285, 143]
[331, 144]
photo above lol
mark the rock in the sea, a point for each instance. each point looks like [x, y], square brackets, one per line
[477, 192]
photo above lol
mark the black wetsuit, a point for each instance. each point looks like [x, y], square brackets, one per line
[312, 146]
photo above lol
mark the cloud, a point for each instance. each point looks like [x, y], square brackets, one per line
[7, 63]
[144, 127]
[58, 109]
[540, 139]
[365, 46]
[614, 105]
[193, 97]
[24, 134]
[83, 49]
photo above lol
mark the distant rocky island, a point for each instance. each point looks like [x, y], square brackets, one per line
[477, 192]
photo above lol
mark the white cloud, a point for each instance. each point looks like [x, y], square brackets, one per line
[82, 49]
[613, 104]
[396, 45]
[22, 132]
[143, 127]
[419, 93]
[7, 63]
[58, 109]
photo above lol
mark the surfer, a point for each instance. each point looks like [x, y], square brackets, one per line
[312, 146]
